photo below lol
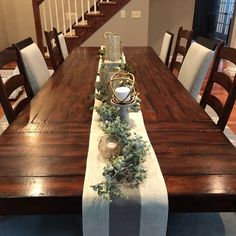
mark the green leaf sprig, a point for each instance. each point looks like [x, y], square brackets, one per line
[128, 167]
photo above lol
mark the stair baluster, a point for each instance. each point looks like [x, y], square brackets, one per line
[50, 13]
[82, 11]
[70, 21]
[56, 7]
[95, 6]
[63, 16]
[76, 12]
[44, 17]
[88, 3]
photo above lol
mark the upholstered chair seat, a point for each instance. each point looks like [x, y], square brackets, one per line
[62, 42]
[166, 47]
[194, 68]
[33, 64]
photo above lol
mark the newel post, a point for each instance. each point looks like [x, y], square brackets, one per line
[37, 22]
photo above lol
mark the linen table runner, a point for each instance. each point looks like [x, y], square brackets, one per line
[144, 213]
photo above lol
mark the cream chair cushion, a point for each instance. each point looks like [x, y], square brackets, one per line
[194, 68]
[62, 42]
[35, 66]
[165, 46]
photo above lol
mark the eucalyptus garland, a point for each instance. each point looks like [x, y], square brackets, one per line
[128, 167]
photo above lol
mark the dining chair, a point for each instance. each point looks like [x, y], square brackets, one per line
[54, 48]
[218, 77]
[63, 45]
[182, 45]
[166, 47]
[8, 68]
[9, 86]
[194, 68]
[32, 64]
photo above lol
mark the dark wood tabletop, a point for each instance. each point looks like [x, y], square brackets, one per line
[43, 153]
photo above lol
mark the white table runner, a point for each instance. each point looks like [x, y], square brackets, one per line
[150, 199]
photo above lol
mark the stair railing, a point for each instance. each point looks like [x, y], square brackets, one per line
[62, 14]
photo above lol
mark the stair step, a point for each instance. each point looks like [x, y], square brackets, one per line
[82, 28]
[82, 24]
[107, 3]
[72, 41]
[70, 34]
[94, 18]
[104, 6]
[95, 14]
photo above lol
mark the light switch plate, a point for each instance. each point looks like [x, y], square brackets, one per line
[122, 14]
[136, 14]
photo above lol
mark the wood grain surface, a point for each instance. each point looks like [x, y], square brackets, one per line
[43, 153]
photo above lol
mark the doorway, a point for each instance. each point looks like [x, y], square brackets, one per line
[212, 19]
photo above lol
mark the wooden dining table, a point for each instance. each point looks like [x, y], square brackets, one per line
[43, 152]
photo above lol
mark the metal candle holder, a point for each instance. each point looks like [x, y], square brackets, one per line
[125, 80]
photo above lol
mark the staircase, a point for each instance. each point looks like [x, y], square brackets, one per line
[92, 17]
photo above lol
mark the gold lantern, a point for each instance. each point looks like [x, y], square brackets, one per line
[122, 87]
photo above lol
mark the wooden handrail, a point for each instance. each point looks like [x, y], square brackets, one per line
[38, 24]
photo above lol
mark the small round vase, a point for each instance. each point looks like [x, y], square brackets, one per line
[109, 146]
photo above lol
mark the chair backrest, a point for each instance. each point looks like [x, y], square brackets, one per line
[166, 47]
[63, 45]
[7, 56]
[194, 68]
[32, 63]
[217, 76]
[182, 45]
[7, 87]
[54, 48]
[208, 43]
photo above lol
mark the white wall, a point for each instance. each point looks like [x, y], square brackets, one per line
[19, 19]
[168, 15]
[3, 32]
[133, 32]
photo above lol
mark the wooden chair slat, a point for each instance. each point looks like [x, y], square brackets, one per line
[7, 88]
[228, 54]
[215, 103]
[12, 84]
[21, 105]
[54, 48]
[181, 49]
[224, 81]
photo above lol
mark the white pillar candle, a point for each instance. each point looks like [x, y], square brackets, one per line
[111, 145]
[122, 94]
